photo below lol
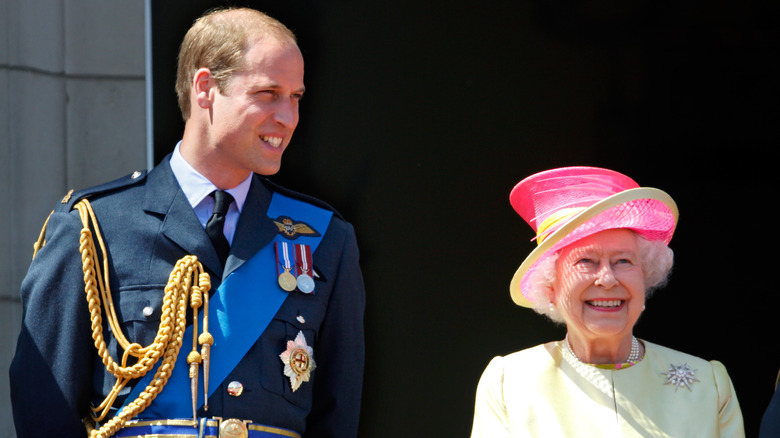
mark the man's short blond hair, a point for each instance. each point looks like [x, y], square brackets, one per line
[218, 41]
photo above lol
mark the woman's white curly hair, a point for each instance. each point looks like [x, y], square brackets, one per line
[657, 259]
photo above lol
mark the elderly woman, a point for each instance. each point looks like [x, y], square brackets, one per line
[602, 247]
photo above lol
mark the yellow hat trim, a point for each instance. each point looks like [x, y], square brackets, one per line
[561, 215]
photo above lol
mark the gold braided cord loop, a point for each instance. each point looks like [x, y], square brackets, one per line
[188, 283]
[41, 237]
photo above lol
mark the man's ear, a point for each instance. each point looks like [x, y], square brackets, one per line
[204, 86]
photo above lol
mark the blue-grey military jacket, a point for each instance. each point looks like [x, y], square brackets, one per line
[148, 225]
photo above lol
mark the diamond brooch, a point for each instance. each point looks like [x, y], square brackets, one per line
[680, 375]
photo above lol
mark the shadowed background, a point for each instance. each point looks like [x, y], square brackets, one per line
[419, 119]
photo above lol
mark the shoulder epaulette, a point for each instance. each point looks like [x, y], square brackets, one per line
[70, 199]
[293, 194]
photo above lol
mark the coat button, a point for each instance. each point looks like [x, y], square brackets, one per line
[235, 388]
[148, 311]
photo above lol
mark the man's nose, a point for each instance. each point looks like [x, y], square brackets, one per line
[286, 114]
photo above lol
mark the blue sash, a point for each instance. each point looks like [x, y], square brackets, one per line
[239, 312]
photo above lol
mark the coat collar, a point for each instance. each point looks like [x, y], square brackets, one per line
[254, 230]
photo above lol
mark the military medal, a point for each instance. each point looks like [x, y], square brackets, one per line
[287, 280]
[298, 361]
[305, 282]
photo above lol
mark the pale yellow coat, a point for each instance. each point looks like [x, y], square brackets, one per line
[545, 392]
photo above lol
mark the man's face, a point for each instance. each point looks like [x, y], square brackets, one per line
[252, 120]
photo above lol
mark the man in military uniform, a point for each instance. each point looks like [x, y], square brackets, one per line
[275, 348]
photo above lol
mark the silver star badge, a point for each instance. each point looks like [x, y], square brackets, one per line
[680, 375]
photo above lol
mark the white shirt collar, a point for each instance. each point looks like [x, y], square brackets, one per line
[197, 187]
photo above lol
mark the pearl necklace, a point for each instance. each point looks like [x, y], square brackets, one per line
[633, 356]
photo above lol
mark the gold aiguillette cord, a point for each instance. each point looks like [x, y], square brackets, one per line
[188, 282]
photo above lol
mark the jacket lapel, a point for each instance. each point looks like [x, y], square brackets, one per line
[164, 197]
[254, 230]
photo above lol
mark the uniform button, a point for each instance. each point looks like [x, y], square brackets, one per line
[235, 388]
[135, 174]
[148, 310]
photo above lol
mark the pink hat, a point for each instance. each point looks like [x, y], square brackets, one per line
[567, 204]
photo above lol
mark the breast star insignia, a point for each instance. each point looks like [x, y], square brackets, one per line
[298, 361]
[293, 229]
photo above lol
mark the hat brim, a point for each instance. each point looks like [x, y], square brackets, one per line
[584, 216]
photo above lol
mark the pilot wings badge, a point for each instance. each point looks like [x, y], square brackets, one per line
[293, 229]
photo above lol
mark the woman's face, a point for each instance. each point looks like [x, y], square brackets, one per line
[599, 286]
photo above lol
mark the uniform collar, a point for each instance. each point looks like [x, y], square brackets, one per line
[197, 187]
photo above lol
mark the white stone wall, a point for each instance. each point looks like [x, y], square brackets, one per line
[72, 114]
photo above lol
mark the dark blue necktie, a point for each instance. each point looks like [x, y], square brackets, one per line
[216, 224]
